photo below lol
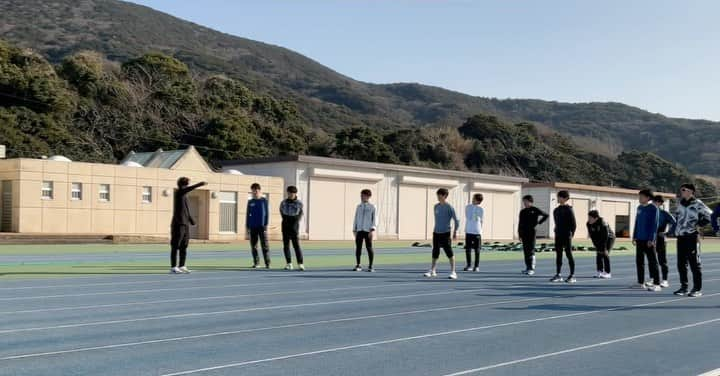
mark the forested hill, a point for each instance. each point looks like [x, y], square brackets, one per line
[93, 109]
[328, 100]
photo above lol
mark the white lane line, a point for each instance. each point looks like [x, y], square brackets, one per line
[715, 372]
[357, 318]
[587, 347]
[115, 305]
[176, 288]
[423, 336]
[254, 309]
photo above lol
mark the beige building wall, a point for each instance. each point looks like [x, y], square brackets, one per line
[125, 213]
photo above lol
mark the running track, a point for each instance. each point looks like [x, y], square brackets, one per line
[337, 322]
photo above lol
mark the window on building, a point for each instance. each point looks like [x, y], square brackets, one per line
[147, 195]
[47, 190]
[228, 212]
[104, 192]
[76, 191]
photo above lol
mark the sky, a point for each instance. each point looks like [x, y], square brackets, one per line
[660, 55]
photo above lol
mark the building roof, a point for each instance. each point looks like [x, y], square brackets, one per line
[157, 159]
[373, 165]
[593, 188]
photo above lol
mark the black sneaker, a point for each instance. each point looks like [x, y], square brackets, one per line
[467, 269]
[254, 266]
[556, 278]
[524, 271]
[695, 294]
[267, 266]
[681, 292]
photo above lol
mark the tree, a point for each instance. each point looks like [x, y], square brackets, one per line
[364, 144]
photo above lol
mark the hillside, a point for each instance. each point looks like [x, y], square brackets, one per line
[327, 99]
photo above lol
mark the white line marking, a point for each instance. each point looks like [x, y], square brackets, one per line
[430, 335]
[581, 348]
[357, 318]
[715, 372]
[213, 313]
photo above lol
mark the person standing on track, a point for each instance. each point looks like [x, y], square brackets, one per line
[474, 214]
[691, 214]
[530, 217]
[647, 220]
[603, 239]
[565, 226]
[256, 221]
[291, 210]
[715, 220]
[666, 219]
[180, 225]
[364, 227]
[443, 233]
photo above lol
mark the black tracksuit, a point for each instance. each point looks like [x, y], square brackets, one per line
[529, 218]
[180, 225]
[291, 212]
[603, 239]
[565, 227]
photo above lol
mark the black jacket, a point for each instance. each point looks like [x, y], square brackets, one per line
[565, 224]
[529, 218]
[181, 210]
[601, 234]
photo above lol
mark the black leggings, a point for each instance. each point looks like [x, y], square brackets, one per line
[365, 236]
[179, 240]
[528, 240]
[661, 248]
[472, 242]
[563, 244]
[441, 240]
[602, 261]
[292, 237]
[259, 234]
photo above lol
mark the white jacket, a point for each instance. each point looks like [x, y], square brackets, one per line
[474, 219]
[365, 218]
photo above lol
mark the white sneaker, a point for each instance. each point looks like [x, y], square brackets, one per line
[648, 284]
[289, 267]
[531, 272]
[175, 270]
[185, 270]
[475, 270]
[358, 268]
[654, 288]
[301, 267]
[606, 276]
[430, 274]
[452, 275]
[664, 284]
[598, 275]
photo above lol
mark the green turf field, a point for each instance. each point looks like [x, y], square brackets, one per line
[124, 261]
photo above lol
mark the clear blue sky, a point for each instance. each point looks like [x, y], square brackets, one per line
[659, 55]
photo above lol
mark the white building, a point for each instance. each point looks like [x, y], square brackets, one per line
[617, 206]
[404, 195]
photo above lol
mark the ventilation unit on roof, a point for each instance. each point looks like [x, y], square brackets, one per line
[59, 158]
[233, 171]
[131, 164]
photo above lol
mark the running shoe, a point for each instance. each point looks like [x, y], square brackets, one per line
[476, 269]
[695, 294]
[531, 272]
[358, 268]
[301, 267]
[175, 270]
[664, 284]
[467, 269]
[185, 270]
[606, 276]
[452, 275]
[655, 288]
[430, 274]
[681, 292]
[556, 278]
[570, 279]
[289, 266]
[370, 270]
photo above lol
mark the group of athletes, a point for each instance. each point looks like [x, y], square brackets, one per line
[652, 225]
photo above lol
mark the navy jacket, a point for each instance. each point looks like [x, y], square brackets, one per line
[257, 213]
[647, 222]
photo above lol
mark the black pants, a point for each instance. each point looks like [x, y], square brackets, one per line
[259, 234]
[528, 240]
[441, 240]
[642, 250]
[472, 243]
[360, 237]
[661, 249]
[563, 243]
[179, 240]
[688, 252]
[291, 236]
[602, 257]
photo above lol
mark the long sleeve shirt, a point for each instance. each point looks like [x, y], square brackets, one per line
[257, 213]
[365, 218]
[600, 233]
[530, 218]
[444, 216]
[666, 221]
[291, 212]
[181, 209]
[474, 219]
[565, 224]
[715, 219]
[647, 221]
[691, 214]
